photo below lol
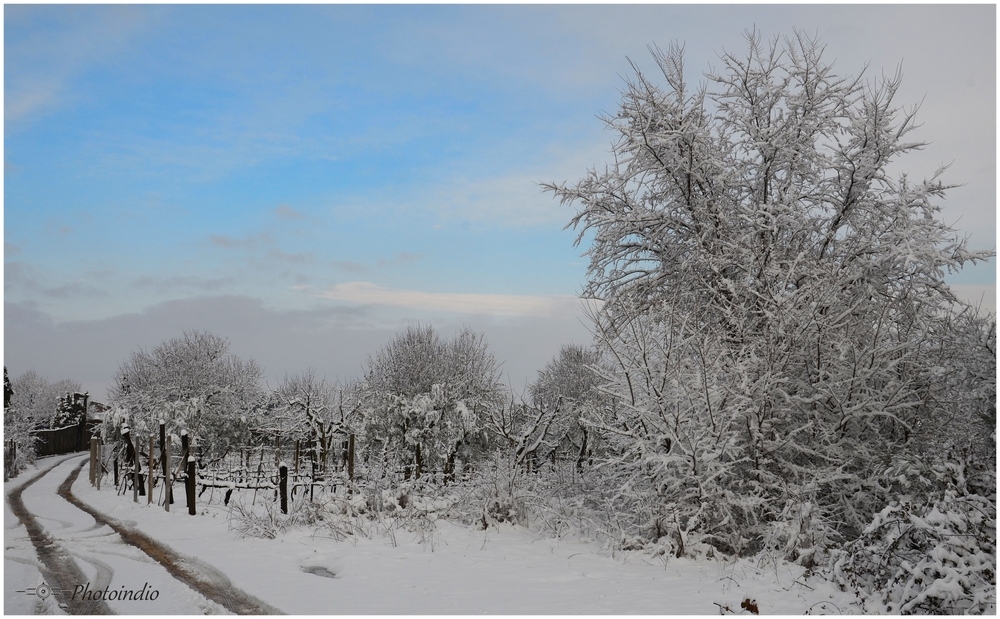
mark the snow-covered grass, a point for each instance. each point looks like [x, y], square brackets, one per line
[455, 568]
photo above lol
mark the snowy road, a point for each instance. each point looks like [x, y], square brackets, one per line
[84, 559]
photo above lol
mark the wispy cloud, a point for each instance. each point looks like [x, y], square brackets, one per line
[27, 279]
[51, 59]
[31, 98]
[286, 212]
[181, 283]
[403, 257]
[250, 242]
[293, 258]
[349, 266]
[367, 293]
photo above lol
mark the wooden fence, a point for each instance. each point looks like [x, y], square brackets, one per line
[56, 441]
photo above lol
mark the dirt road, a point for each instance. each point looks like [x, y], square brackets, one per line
[94, 564]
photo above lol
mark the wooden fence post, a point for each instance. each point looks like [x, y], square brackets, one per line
[152, 470]
[166, 475]
[190, 483]
[283, 487]
[132, 456]
[100, 463]
[165, 460]
[296, 456]
[93, 458]
[81, 431]
[312, 480]
[350, 457]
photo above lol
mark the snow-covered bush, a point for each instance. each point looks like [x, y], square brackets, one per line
[932, 557]
[19, 443]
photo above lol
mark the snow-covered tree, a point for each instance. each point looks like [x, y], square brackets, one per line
[8, 390]
[306, 407]
[193, 383]
[772, 297]
[19, 442]
[426, 398]
[31, 403]
[38, 401]
[570, 385]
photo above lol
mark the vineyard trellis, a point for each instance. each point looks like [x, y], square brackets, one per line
[290, 470]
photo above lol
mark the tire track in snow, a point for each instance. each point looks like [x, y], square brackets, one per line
[198, 575]
[58, 567]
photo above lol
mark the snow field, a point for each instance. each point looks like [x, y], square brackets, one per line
[460, 570]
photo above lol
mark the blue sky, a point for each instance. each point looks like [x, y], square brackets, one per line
[306, 180]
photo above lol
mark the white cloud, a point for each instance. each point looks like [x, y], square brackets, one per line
[367, 293]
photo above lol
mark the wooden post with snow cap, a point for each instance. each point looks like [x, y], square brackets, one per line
[283, 487]
[190, 484]
[165, 461]
[185, 467]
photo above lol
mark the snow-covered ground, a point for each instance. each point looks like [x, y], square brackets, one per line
[455, 570]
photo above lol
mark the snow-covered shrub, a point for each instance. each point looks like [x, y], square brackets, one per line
[933, 557]
[801, 534]
[337, 516]
[261, 521]
[19, 446]
[497, 493]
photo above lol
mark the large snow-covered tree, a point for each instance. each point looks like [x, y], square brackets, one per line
[193, 383]
[773, 299]
[427, 398]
